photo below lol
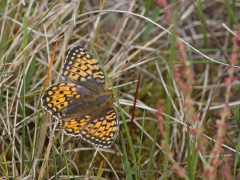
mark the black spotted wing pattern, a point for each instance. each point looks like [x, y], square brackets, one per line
[83, 106]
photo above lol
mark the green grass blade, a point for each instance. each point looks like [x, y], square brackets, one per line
[236, 156]
[6, 31]
[150, 162]
[231, 8]
[150, 25]
[189, 167]
[3, 5]
[169, 106]
[1, 158]
[25, 57]
[140, 147]
[121, 112]
[30, 72]
[204, 30]
[125, 160]
[1, 101]
[192, 156]
[236, 112]
[6, 150]
[54, 164]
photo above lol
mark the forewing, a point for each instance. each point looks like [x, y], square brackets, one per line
[100, 129]
[66, 100]
[83, 68]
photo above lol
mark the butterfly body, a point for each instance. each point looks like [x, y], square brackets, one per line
[83, 106]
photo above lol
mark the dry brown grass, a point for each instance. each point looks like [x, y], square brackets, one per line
[180, 87]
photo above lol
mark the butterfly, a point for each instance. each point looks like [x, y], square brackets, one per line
[83, 105]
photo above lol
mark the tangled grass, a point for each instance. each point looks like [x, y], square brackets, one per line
[174, 64]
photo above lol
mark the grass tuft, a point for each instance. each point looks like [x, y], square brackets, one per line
[184, 121]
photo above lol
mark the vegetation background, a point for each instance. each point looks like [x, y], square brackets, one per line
[178, 59]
